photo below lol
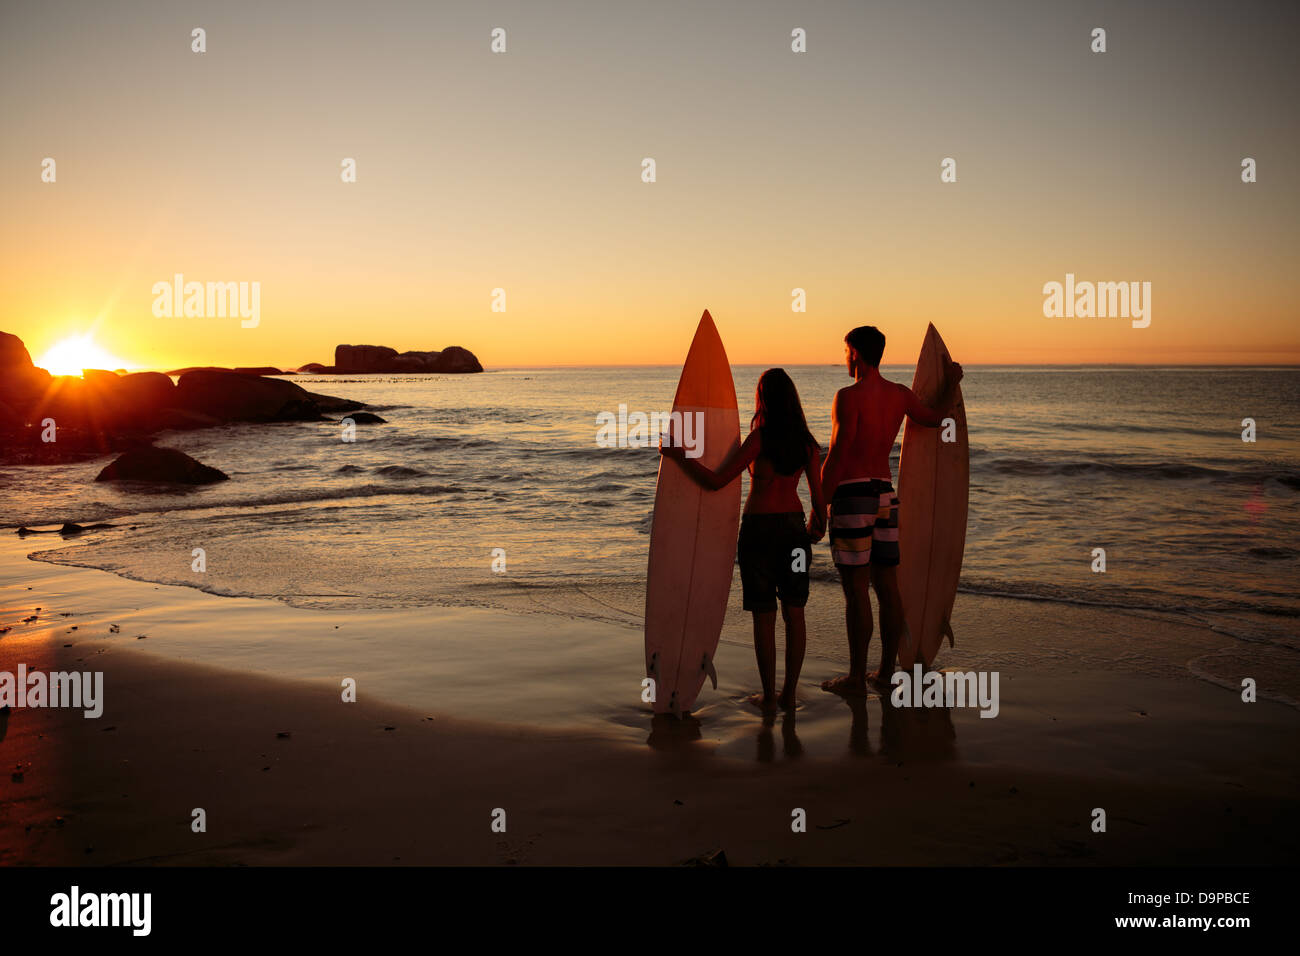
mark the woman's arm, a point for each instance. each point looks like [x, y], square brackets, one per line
[726, 474]
[816, 520]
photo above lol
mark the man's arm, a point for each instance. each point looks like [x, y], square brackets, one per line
[842, 427]
[933, 417]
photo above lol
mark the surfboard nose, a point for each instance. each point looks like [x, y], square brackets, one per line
[705, 370]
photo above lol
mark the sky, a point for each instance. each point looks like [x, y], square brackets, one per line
[775, 171]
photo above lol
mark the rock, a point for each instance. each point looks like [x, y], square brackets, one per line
[184, 419]
[315, 368]
[408, 362]
[162, 465]
[367, 418]
[21, 383]
[99, 379]
[178, 372]
[13, 354]
[456, 359]
[144, 391]
[260, 370]
[230, 396]
[380, 358]
[364, 358]
[333, 405]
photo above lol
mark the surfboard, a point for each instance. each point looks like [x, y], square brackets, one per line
[933, 491]
[693, 535]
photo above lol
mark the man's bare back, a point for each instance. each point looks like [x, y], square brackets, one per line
[865, 420]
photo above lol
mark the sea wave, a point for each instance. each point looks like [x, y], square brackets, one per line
[1148, 471]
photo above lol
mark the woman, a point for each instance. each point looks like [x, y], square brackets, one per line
[775, 546]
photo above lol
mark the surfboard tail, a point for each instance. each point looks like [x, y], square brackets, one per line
[707, 666]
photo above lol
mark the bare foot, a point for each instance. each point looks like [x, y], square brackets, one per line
[847, 685]
[880, 682]
[761, 701]
[786, 700]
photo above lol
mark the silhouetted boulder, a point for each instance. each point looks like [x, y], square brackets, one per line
[13, 354]
[456, 359]
[233, 397]
[315, 368]
[160, 465]
[366, 418]
[141, 391]
[184, 418]
[99, 378]
[364, 358]
[260, 370]
[21, 383]
[379, 358]
[333, 405]
[178, 372]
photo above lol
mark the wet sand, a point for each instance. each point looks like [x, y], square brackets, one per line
[539, 715]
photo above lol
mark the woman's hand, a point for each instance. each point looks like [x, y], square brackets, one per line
[816, 527]
[675, 452]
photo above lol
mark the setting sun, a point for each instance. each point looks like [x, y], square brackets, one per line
[71, 355]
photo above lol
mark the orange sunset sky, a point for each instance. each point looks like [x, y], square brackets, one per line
[775, 170]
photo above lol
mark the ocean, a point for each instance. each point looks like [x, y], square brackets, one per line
[476, 475]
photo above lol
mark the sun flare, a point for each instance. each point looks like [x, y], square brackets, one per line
[71, 355]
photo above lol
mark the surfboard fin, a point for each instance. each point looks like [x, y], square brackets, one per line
[947, 630]
[706, 665]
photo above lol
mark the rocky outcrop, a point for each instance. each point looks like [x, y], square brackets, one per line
[315, 368]
[20, 382]
[456, 359]
[160, 465]
[102, 411]
[365, 359]
[241, 369]
[235, 397]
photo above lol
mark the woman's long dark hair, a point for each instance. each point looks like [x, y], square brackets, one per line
[781, 423]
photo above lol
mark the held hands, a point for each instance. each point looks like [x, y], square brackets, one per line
[816, 526]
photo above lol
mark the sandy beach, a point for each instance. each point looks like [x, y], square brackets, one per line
[233, 705]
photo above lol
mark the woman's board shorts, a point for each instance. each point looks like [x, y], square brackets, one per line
[774, 552]
[864, 523]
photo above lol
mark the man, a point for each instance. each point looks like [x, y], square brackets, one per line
[864, 529]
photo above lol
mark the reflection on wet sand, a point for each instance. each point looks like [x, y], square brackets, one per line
[906, 733]
[670, 733]
[790, 745]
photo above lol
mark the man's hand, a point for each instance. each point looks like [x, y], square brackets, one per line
[954, 373]
[816, 527]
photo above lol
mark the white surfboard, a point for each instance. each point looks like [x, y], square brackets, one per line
[693, 536]
[933, 490]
